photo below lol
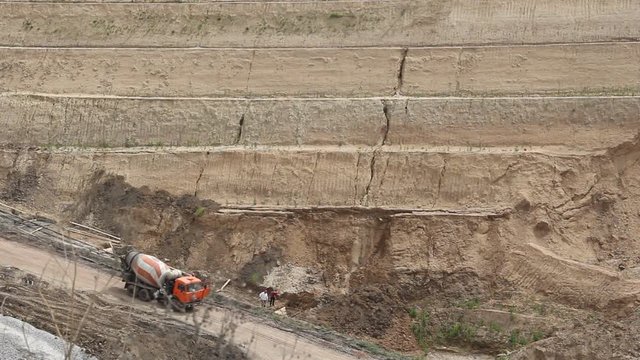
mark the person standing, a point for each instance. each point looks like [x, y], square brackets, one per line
[263, 298]
[273, 297]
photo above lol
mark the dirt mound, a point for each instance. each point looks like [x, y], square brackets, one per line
[150, 220]
[368, 310]
[20, 184]
[9, 274]
[299, 301]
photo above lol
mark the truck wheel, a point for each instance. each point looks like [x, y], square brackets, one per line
[144, 295]
[130, 288]
[188, 308]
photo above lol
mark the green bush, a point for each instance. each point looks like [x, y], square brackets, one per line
[457, 331]
[413, 312]
[369, 347]
[341, 15]
[472, 303]
[517, 339]
[537, 335]
[495, 327]
[199, 211]
[420, 328]
[255, 278]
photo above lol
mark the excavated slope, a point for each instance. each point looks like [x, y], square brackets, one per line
[440, 149]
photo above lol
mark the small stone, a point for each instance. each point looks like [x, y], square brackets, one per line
[483, 228]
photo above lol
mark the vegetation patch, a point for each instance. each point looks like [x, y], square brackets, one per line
[420, 327]
[457, 332]
[472, 303]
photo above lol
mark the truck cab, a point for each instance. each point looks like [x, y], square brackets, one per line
[190, 290]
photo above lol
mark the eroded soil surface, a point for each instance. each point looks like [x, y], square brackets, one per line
[419, 175]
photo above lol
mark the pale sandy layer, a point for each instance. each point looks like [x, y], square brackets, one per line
[559, 69]
[321, 23]
[471, 178]
[575, 69]
[581, 123]
[314, 72]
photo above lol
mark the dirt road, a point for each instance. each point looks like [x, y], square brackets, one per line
[262, 342]
[54, 269]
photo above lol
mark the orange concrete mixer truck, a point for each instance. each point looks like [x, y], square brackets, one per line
[148, 278]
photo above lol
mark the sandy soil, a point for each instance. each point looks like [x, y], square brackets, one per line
[400, 177]
[201, 72]
[452, 173]
[589, 122]
[497, 70]
[316, 23]
[54, 269]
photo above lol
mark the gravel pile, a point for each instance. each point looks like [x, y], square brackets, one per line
[293, 279]
[19, 340]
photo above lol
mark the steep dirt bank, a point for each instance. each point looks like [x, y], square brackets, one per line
[564, 248]
[290, 177]
[549, 192]
[415, 173]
